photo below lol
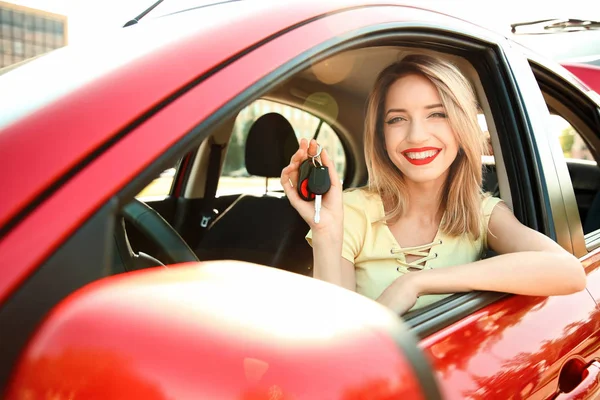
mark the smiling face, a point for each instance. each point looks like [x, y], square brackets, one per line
[418, 136]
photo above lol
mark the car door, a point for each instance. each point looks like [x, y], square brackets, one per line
[581, 107]
[527, 347]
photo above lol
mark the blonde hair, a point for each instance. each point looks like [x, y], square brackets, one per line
[462, 194]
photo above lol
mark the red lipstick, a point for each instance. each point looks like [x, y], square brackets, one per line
[421, 161]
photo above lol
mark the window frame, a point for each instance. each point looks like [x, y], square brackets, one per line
[153, 198]
[584, 116]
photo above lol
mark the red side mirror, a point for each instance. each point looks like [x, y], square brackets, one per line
[226, 330]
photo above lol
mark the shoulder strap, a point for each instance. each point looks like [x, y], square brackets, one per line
[207, 213]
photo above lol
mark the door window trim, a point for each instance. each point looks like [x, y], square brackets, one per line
[583, 115]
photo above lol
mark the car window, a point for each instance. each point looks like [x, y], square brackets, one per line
[573, 125]
[489, 152]
[571, 142]
[161, 186]
[583, 170]
[235, 178]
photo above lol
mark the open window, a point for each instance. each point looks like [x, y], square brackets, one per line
[345, 79]
[161, 186]
[327, 99]
[574, 124]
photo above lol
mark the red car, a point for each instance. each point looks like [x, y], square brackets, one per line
[211, 95]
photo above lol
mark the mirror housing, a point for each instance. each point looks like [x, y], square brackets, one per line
[221, 329]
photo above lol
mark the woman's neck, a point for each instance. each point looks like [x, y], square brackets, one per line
[424, 200]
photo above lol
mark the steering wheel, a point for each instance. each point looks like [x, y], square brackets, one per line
[153, 227]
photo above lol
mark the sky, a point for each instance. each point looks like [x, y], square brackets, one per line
[87, 17]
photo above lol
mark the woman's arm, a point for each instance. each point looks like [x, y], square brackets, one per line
[328, 263]
[328, 234]
[528, 263]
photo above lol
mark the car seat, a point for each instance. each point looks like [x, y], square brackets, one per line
[262, 229]
[592, 219]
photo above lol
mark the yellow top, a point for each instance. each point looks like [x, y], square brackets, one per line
[378, 258]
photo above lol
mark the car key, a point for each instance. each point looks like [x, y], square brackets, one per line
[318, 184]
[302, 187]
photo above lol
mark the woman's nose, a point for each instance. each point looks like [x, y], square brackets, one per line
[417, 132]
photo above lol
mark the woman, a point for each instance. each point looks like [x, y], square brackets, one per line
[418, 231]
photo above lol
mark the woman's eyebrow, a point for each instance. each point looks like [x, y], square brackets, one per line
[399, 110]
[429, 107]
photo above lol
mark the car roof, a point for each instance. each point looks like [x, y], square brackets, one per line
[54, 102]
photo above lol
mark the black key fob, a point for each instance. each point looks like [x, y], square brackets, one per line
[304, 173]
[318, 181]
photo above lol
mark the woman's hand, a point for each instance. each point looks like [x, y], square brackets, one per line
[332, 212]
[401, 295]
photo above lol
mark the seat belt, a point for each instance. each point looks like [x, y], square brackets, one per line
[210, 188]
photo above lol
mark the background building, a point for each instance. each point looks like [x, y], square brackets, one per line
[27, 32]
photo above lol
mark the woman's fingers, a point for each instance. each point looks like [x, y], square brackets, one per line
[332, 206]
[289, 176]
[333, 176]
[288, 185]
[300, 155]
[325, 160]
[291, 171]
[312, 148]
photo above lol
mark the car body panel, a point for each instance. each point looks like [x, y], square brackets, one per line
[185, 334]
[562, 70]
[514, 347]
[589, 74]
[592, 266]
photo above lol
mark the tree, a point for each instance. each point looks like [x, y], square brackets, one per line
[567, 138]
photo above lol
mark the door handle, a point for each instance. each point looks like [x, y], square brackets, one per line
[587, 388]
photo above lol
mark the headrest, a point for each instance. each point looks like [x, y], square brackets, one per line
[270, 145]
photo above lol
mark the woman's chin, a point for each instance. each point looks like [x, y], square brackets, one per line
[424, 176]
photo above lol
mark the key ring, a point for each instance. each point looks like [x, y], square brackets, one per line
[317, 156]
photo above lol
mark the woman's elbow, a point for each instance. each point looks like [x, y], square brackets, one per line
[576, 278]
[579, 280]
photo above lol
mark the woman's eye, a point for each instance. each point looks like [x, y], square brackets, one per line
[438, 115]
[394, 120]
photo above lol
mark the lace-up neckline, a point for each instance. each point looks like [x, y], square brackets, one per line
[423, 251]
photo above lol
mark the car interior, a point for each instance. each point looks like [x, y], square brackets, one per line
[261, 226]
